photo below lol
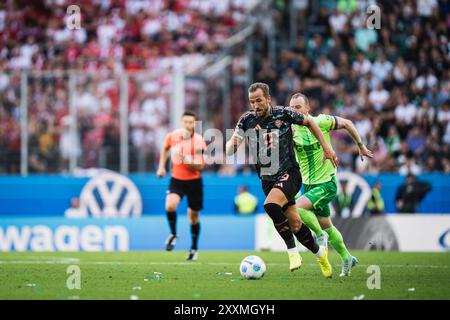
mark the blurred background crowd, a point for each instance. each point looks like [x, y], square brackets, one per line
[393, 82]
[154, 36]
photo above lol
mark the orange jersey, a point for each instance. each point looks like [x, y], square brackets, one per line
[185, 148]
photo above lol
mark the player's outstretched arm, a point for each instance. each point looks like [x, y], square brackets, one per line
[163, 156]
[348, 125]
[328, 153]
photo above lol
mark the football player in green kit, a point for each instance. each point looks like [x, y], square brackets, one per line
[319, 178]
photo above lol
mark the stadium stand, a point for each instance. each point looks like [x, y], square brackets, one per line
[116, 36]
[392, 82]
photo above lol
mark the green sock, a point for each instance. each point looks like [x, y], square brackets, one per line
[310, 219]
[337, 241]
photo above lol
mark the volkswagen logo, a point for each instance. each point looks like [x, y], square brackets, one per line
[110, 195]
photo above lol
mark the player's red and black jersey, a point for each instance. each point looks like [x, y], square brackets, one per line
[279, 118]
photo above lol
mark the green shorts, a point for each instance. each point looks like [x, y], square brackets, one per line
[320, 195]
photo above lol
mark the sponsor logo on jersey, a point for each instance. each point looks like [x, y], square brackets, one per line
[312, 147]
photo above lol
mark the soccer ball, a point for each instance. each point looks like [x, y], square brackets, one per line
[252, 268]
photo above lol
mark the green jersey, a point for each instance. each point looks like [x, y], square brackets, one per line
[309, 152]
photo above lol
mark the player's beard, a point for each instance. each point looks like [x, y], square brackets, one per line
[261, 112]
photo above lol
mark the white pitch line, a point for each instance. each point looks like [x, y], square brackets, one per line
[118, 263]
[61, 261]
[50, 258]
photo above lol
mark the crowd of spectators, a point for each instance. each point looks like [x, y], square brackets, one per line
[147, 38]
[393, 82]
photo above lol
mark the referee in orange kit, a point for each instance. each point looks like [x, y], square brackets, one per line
[186, 148]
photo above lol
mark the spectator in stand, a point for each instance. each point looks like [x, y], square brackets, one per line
[362, 65]
[379, 97]
[410, 167]
[337, 21]
[381, 68]
[392, 140]
[416, 140]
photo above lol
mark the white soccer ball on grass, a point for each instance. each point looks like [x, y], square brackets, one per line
[252, 268]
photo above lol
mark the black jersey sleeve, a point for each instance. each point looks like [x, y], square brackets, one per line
[242, 124]
[294, 116]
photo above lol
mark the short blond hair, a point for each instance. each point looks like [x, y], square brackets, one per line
[300, 95]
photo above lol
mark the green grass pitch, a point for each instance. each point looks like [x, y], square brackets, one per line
[166, 275]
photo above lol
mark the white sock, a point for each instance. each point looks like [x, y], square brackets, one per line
[292, 250]
[319, 253]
